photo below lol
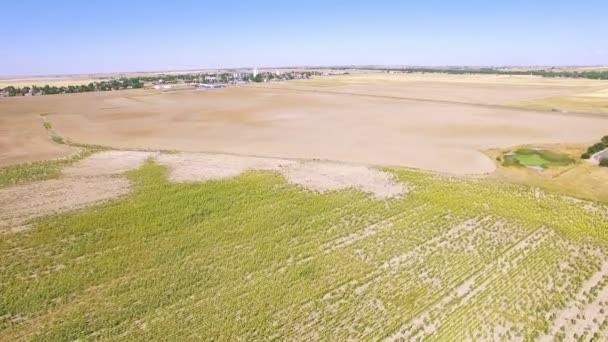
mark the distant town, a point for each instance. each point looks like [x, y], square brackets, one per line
[224, 79]
[221, 79]
[168, 82]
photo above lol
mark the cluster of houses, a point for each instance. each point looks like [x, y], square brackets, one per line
[222, 80]
[175, 86]
[208, 80]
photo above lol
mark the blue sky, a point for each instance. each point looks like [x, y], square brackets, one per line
[58, 37]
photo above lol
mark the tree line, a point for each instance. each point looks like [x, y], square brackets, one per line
[117, 84]
[592, 74]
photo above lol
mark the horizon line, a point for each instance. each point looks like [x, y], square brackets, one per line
[352, 66]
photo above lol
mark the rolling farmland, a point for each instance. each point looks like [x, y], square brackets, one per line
[267, 213]
[255, 257]
[304, 171]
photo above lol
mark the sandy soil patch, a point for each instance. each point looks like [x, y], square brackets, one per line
[89, 181]
[316, 176]
[108, 163]
[19, 204]
[203, 167]
[324, 176]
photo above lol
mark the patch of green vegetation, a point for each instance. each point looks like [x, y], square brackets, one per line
[169, 151]
[57, 139]
[49, 128]
[531, 160]
[536, 157]
[255, 258]
[39, 170]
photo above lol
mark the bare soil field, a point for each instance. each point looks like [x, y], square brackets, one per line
[20, 204]
[24, 139]
[57, 81]
[311, 175]
[91, 180]
[473, 89]
[432, 122]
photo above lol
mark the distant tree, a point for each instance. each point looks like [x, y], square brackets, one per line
[11, 90]
[605, 140]
[136, 83]
[604, 162]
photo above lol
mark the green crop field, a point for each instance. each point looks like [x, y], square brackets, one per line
[536, 157]
[255, 258]
[531, 159]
